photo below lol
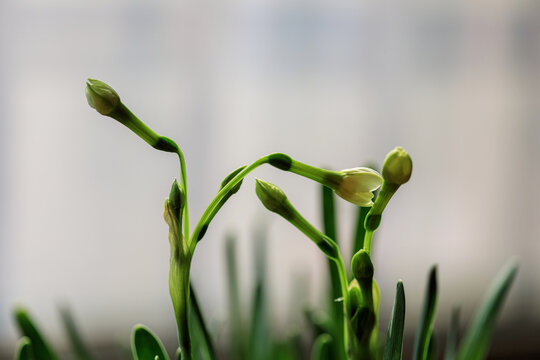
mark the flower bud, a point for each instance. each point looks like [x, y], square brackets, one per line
[177, 200]
[357, 185]
[397, 167]
[362, 267]
[272, 197]
[101, 96]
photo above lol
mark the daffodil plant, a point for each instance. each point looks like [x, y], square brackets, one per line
[355, 185]
[351, 332]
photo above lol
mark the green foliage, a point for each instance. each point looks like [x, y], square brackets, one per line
[427, 318]
[40, 347]
[476, 340]
[24, 349]
[75, 339]
[348, 329]
[146, 346]
[394, 340]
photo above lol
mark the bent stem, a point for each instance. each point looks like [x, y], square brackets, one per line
[183, 182]
[213, 207]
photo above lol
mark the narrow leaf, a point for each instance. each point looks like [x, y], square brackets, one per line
[74, 335]
[476, 340]
[200, 334]
[427, 317]
[259, 344]
[24, 349]
[322, 348]
[432, 348]
[394, 341]
[237, 340]
[145, 345]
[452, 337]
[40, 347]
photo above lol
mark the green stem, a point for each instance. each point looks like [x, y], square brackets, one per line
[368, 237]
[183, 182]
[213, 207]
[340, 265]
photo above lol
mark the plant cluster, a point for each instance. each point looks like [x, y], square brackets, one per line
[351, 329]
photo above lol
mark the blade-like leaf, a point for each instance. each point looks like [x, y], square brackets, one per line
[41, 349]
[394, 341]
[74, 335]
[145, 345]
[202, 342]
[238, 344]
[259, 337]
[476, 340]
[432, 348]
[427, 317]
[322, 348]
[24, 349]
[452, 337]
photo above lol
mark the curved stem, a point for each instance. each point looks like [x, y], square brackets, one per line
[345, 293]
[213, 207]
[183, 182]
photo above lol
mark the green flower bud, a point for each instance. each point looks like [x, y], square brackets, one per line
[272, 197]
[177, 200]
[397, 167]
[362, 267]
[101, 96]
[106, 101]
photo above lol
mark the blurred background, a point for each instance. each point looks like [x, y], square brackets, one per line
[335, 84]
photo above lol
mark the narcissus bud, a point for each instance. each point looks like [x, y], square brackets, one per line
[177, 200]
[362, 267]
[272, 197]
[106, 101]
[101, 96]
[397, 167]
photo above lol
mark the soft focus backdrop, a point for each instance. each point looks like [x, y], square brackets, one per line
[331, 83]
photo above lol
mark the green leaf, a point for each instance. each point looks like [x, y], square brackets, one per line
[476, 340]
[322, 348]
[427, 317]
[432, 348]
[394, 340]
[452, 337]
[145, 345]
[40, 348]
[200, 334]
[259, 337]
[238, 340]
[24, 349]
[74, 336]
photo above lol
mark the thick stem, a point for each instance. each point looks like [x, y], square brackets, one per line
[179, 291]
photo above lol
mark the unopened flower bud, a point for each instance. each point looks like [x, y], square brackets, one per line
[362, 267]
[272, 197]
[177, 200]
[397, 167]
[106, 101]
[101, 96]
